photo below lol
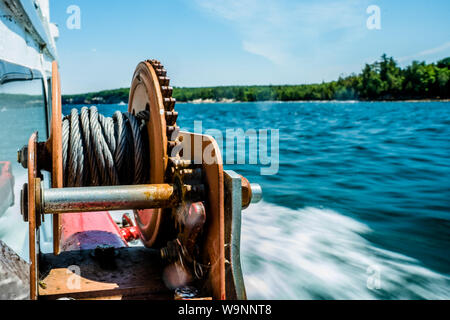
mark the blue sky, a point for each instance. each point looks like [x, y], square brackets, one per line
[241, 42]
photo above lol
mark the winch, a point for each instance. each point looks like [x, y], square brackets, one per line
[186, 207]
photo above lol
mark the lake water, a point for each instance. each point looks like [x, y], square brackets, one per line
[360, 206]
[363, 189]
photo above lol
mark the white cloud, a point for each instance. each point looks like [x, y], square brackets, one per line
[281, 30]
[427, 52]
[271, 51]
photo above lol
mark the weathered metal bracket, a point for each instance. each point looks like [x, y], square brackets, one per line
[234, 280]
[33, 222]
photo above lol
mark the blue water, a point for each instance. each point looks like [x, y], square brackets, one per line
[363, 190]
[360, 206]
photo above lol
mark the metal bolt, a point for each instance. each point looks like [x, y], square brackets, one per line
[22, 157]
[256, 192]
[251, 193]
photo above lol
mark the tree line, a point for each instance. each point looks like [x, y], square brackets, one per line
[381, 80]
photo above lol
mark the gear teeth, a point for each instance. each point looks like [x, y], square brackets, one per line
[161, 72]
[164, 81]
[172, 132]
[169, 103]
[171, 117]
[154, 62]
[171, 129]
[166, 91]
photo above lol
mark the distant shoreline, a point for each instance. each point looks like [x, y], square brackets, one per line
[210, 101]
[382, 80]
[229, 101]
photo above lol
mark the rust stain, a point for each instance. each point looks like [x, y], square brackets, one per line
[148, 195]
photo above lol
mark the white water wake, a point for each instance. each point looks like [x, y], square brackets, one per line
[315, 253]
[296, 254]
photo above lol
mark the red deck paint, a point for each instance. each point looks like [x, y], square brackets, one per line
[87, 230]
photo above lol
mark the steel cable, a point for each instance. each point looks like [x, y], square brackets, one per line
[103, 151]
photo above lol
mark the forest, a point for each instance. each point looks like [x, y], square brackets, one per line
[381, 80]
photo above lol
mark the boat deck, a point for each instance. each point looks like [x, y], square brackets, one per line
[129, 273]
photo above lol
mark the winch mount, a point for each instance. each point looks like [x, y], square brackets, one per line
[179, 208]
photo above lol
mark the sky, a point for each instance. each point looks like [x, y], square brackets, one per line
[241, 42]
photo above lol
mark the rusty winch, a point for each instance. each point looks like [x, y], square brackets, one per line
[186, 207]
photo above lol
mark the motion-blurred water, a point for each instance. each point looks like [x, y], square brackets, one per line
[362, 194]
[363, 190]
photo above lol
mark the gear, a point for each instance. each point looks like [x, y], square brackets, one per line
[151, 100]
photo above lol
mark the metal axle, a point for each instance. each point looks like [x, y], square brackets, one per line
[135, 197]
[90, 199]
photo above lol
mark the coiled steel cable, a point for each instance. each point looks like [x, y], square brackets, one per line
[103, 151]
